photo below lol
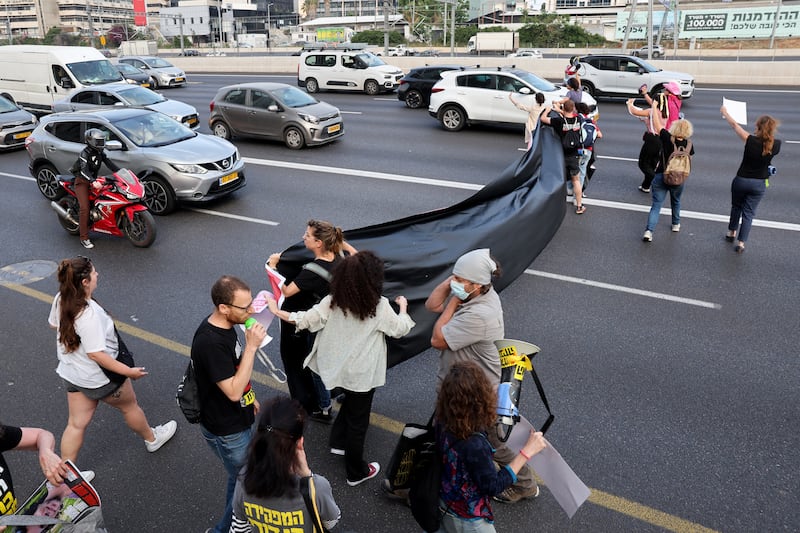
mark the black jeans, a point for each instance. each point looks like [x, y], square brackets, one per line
[649, 156]
[349, 431]
[295, 347]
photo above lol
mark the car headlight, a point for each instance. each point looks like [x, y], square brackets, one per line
[309, 118]
[130, 81]
[188, 169]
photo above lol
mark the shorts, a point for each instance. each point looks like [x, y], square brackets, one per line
[573, 164]
[94, 394]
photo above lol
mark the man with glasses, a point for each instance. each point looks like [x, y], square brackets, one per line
[223, 369]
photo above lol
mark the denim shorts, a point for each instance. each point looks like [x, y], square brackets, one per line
[94, 394]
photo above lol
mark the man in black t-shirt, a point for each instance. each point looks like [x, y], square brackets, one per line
[568, 120]
[223, 369]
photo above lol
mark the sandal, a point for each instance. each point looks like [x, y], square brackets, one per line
[579, 210]
[730, 236]
[739, 248]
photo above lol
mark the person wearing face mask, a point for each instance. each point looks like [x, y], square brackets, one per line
[471, 320]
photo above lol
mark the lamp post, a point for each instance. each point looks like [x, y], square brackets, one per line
[268, 25]
[219, 13]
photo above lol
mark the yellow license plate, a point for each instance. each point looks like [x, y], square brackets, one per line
[145, 85]
[229, 178]
[178, 80]
[22, 135]
[192, 121]
[334, 128]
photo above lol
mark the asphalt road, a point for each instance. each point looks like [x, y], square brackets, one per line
[671, 367]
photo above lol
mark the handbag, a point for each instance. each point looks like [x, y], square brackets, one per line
[414, 438]
[124, 356]
[188, 397]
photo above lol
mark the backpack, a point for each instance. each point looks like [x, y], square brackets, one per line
[588, 133]
[571, 140]
[425, 481]
[679, 164]
[321, 272]
[187, 395]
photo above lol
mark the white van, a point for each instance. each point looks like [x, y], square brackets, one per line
[348, 70]
[35, 76]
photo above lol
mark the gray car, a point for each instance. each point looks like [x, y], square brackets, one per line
[16, 125]
[162, 72]
[274, 111]
[174, 162]
[122, 94]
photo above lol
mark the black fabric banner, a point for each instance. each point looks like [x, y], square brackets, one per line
[515, 216]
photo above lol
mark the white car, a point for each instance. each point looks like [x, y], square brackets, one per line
[464, 97]
[621, 75]
[535, 54]
[346, 70]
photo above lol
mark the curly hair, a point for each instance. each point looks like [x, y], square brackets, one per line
[766, 126]
[330, 235]
[467, 401]
[357, 283]
[681, 128]
[272, 456]
[72, 298]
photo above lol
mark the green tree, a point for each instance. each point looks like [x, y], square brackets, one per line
[375, 37]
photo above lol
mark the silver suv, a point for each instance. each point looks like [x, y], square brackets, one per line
[621, 75]
[658, 51]
[162, 72]
[174, 162]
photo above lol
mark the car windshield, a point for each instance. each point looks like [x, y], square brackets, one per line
[157, 62]
[371, 60]
[153, 129]
[141, 96]
[127, 69]
[538, 83]
[647, 66]
[94, 72]
[294, 97]
[6, 106]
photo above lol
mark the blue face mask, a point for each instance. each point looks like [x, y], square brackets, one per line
[458, 290]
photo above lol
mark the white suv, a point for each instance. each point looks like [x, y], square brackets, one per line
[355, 70]
[621, 75]
[464, 97]
[658, 51]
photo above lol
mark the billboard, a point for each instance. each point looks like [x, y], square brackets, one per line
[736, 23]
[139, 13]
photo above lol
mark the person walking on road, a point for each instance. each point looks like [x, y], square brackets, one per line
[568, 125]
[750, 183]
[87, 344]
[223, 370]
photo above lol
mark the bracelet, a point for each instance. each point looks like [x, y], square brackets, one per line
[523, 454]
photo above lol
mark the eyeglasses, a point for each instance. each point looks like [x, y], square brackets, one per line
[245, 308]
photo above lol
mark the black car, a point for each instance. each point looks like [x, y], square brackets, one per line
[415, 87]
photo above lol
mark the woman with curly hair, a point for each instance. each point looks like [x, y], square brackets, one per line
[349, 351]
[87, 344]
[466, 409]
[750, 183]
[276, 477]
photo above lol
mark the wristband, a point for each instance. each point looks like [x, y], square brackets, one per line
[526, 456]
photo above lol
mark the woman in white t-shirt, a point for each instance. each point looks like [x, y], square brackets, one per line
[87, 341]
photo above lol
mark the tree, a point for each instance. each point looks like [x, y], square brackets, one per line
[375, 37]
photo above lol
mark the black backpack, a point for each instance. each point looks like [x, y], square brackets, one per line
[571, 138]
[187, 396]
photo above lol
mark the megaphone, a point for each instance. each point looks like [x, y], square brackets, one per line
[515, 359]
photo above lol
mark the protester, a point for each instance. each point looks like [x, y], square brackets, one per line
[471, 320]
[567, 121]
[668, 101]
[272, 483]
[33, 439]
[650, 153]
[350, 350]
[466, 412]
[533, 111]
[327, 243]
[87, 344]
[679, 133]
[750, 183]
[223, 370]
[588, 156]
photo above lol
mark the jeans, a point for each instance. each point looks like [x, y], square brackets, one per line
[232, 451]
[746, 193]
[586, 156]
[323, 394]
[659, 193]
[454, 524]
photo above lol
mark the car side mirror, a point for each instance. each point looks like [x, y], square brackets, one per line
[273, 108]
[640, 70]
[66, 83]
[113, 146]
[525, 90]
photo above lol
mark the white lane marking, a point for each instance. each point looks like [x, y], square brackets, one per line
[629, 290]
[351, 112]
[235, 217]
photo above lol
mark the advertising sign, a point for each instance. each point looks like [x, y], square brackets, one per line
[139, 13]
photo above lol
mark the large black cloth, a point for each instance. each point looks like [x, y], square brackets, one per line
[515, 216]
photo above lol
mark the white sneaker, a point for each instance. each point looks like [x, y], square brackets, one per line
[374, 468]
[648, 236]
[87, 244]
[162, 434]
[676, 228]
[88, 475]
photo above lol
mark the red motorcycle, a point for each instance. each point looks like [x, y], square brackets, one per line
[117, 208]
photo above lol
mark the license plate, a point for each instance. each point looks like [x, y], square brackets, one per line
[192, 121]
[229, 178]
[178, 80]
[21, 135]
[145, 85]
[334, 128]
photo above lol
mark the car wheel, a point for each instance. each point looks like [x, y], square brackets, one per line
[47, 182]
[371, 87]
[158, 195]
[453, 118]
[656, 55]
[153, 84]
[414, 99]
[293, 138]
[70, 205]
[220, 129]
[588, 88]
[312, 86]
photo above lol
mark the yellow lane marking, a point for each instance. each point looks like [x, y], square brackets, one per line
[597, 497]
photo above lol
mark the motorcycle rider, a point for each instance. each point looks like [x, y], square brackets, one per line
[85, 171]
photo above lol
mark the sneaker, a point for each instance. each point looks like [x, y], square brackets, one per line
[648, 236]
[374, 468]
[88, 475]
[324, 416]
[676, 228]
[162, 433]
[512, 495]
[337, 451]
[570, 198]
[87, 244]
[647, 190]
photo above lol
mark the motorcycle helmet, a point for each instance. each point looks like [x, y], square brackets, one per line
[95, 138]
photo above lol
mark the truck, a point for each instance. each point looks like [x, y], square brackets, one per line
[138, 48]
[499, 42]
[334, 35]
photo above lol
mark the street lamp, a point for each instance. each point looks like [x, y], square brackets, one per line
[268, 25]
[219, 13]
